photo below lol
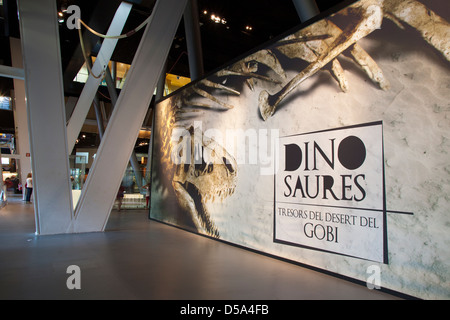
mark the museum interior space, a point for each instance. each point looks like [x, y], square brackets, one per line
[194, 150]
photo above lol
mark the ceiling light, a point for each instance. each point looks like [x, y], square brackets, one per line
[217, 19]
[60, 17]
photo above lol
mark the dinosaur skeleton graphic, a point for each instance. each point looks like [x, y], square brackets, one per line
[321, 43]
[207, 172]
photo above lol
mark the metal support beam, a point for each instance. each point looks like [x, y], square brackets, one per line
[11, 72]
[114, 72]
[47, 118]
[123, 128]
[193, 40]
[306, 9]
[99, 117]
[113, 94]
[70, 106]
[136, 168]
[103, 111]
[161, 85]
[100, 65]
[98, 113]
[111, 84]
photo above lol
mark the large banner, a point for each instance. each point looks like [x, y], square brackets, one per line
[329, 147]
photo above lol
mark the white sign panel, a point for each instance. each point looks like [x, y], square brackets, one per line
[329, 192]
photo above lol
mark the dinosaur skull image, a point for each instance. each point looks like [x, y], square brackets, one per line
[206, 173]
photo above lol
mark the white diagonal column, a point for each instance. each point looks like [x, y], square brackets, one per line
[101, 63]
[46, 115]
[11, 72]
[120, 136]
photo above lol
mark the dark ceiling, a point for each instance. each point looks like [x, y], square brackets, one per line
[220, 42]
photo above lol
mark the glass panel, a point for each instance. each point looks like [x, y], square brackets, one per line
[7, 143]
[134, 192]
[5, 103]
[173, 82]
[10, 187]
[78, 174]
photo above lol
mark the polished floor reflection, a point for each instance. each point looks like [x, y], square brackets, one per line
[141, 259]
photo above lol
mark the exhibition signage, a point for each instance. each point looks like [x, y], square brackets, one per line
[329, 191]
[308, 148]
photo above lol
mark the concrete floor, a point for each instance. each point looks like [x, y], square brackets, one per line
[141, 259]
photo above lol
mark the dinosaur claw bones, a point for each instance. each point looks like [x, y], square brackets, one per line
[322, 42]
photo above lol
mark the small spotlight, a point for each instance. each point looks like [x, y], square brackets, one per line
[60, 17]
